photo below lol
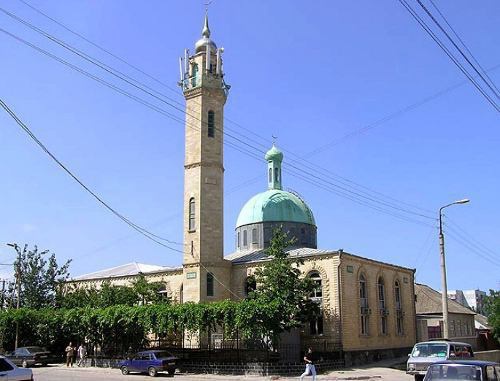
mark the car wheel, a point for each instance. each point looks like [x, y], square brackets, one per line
[24, 364]
[124, 370]
[171, 372]
[419, 377]
[152, 371]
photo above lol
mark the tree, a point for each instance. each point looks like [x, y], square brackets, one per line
[493, 311]
[279, 282]
[39, 275]
[140, 292]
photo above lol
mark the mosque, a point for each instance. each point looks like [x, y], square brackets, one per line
[367, 306]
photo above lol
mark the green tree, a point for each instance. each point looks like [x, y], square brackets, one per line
[280, 284]
[493, 311]
[149, 292]
[39, 275]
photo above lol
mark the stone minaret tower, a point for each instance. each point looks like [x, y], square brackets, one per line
[205, 92]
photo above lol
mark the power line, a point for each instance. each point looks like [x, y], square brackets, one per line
[134, 226]
[129, 80]
[436, 39]
[471, 248]
[485, 72]
[457, 47]
[471, 240]
[175, 118]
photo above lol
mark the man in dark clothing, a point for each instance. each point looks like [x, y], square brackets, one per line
[310, 368]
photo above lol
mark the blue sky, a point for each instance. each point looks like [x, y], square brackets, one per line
[311, 73]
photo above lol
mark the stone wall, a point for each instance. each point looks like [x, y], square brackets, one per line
[353, 339]
[258, 369]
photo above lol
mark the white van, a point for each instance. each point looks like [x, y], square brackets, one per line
[429, 352]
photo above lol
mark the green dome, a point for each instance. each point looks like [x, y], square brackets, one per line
[275, 205]
[274, 154]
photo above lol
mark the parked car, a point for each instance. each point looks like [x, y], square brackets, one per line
[29, 356]
[150, 362]
[463, 370]
[429, 352]
[9, 371]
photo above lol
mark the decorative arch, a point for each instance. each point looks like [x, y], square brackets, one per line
[325, 281]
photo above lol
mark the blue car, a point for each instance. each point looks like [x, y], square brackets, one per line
[463, 370]
[150, 362]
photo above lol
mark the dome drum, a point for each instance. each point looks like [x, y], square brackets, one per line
[257, 236]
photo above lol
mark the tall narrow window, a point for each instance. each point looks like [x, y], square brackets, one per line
[276, 175]
[245, 238]
[363, 302]
[381, 306]
[316, 322]
[270, 175]
[194, 76]
[399, 308]
[192, 214]
[238, 241]
[210, 284]
[211, 124]
[255, 236]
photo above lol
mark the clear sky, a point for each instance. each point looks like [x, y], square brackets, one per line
[312, 73]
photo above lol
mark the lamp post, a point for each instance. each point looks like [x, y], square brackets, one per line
[18, 286]
[444, 287]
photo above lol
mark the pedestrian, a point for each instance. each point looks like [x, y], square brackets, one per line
[310, 368]
[82, 354]
[70, 352]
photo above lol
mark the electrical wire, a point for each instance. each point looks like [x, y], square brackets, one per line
[485, 72]
[457, 47]
[134, 226]
[138, 85]
[427, 29]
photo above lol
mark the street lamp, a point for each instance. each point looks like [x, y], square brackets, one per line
[444, 287]
[18, 284]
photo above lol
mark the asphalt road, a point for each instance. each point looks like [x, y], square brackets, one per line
[58, 373]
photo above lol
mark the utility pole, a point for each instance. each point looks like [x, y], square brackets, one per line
[444, 286]
[3, 294]
[18, 284]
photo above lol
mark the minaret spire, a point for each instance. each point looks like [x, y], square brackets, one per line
[206, 30]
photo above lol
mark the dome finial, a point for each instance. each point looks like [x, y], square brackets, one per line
[206, 30]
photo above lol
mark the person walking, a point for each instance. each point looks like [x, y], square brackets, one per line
[310, 368]
[70, 352]
[82, 354]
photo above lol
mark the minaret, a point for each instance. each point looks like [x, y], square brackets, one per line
[205, 92]
[274, 157]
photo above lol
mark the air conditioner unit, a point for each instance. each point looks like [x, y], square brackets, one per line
[365, 311]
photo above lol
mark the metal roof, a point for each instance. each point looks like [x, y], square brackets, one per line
[128, 269]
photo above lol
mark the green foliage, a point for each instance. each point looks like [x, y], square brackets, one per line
[39, 276]
[281, 286]
[118, 328]
[140, 292]
[493, 311]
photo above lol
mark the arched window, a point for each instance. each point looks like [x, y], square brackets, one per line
[250, 285]
[211, 124]
[276, 175]
[245, 238]
[270, 175]
[399, 308]
[382, 306]
[192, 214]
[363, 302]
[316, 322]
[238, 242]
[255, 236]
[210, 284]
[194, 76]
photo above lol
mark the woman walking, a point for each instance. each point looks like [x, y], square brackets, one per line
[310, 368]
